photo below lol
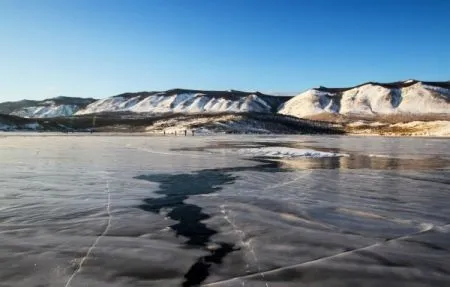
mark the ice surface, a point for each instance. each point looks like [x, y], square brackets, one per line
[193, 210]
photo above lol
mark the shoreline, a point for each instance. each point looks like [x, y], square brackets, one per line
[160, 135]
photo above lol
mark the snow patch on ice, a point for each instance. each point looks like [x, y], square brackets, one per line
[286, 152]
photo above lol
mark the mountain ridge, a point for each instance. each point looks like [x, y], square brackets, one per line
[411, 96]
[187, 101]
[398, 84]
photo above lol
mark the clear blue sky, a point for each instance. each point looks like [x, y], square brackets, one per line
[98, 48]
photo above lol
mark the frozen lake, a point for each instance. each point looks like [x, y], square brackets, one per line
[99, 210]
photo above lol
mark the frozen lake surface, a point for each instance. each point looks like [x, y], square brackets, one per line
[264, 211]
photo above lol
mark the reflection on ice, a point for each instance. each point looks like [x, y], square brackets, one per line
[359, 161]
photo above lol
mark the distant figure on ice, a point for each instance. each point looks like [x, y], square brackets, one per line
[185, 132]
[164, 132]
[192, 132]
[175, 132]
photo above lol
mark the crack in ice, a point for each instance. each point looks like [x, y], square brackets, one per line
[105, 231]
[164, 153]
[425, 228]
[246, 244]
[284, 183]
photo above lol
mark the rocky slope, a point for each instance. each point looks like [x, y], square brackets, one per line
[370, 99]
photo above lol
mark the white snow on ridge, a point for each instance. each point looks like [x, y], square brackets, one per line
[310, 102]
[286, 152]
[419, 99]
[109, 104]
[46, 111]
[371, 99]
[367, 99]
[181, 103]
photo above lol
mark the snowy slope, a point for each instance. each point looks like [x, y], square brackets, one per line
[56, 107]
[46, 111]
[421, 98]
[187, 101]
[412, 97]
[311, 102]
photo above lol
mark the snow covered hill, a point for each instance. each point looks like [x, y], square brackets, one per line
[408, 97]
[370, 99]
[187, 101]
[55, 107]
